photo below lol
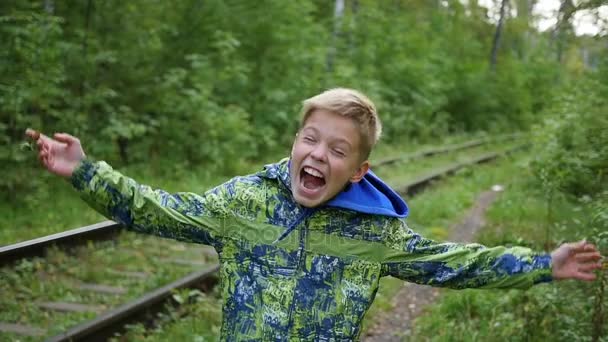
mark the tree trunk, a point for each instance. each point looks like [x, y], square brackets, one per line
[49, 7]
[353, 26]
[85, 45]
[338, 14]
[497, 35]
[565, 14]
[123, 149]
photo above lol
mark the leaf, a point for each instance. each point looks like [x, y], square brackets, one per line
[178, 298]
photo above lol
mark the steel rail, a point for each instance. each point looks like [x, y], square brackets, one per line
[412, 188]
[38, 247]
[443, 149]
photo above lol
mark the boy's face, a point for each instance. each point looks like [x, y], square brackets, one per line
[324, 158]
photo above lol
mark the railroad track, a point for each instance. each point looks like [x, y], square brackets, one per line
[202, 276]
[432, 151]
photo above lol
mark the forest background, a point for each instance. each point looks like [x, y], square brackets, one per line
[206, 89]
[181, 84]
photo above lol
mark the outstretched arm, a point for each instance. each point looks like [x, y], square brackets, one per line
[181, 216]
[475, 266]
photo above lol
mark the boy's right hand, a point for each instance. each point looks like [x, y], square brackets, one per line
[60, 155]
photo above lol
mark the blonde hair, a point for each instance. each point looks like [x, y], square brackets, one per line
[351, 104]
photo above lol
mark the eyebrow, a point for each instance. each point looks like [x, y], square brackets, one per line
[339, 140]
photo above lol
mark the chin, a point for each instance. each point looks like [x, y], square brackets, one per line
[307, 202]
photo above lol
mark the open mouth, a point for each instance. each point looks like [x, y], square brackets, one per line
[311, 179]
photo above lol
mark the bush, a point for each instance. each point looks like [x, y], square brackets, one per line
[570, 146]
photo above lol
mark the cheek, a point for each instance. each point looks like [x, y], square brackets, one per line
[296, 151]
[299, 151]
[340, 173]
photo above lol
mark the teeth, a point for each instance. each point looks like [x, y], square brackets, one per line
[313, 172]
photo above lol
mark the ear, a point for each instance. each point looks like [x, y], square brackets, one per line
[360, 172]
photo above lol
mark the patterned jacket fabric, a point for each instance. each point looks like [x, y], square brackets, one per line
[314, 283]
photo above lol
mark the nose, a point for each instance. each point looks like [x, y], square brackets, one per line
[319, 153]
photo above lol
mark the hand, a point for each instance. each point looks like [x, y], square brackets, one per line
[60, 155]
[575, 261]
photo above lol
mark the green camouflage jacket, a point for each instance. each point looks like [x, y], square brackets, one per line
[290, 273]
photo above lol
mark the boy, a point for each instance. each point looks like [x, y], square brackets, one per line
[304, 242]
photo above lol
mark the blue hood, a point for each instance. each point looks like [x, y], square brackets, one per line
[370, 196]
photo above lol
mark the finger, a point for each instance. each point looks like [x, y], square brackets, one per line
[66, 138]
[43, 145]
[48, 161]
[577, 247]
[37, 136]
[589, 267]
[43, 140]
[587, 257]
[32, 133]
[585, 276]
[590, 247]
[43, 157]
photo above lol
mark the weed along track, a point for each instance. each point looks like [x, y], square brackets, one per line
[67, 287]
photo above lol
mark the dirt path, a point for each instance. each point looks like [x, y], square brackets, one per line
[411, 300]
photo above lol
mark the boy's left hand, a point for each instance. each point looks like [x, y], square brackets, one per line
[575, 261]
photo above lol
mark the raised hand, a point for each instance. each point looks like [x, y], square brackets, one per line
[575, 261]
[60, 154]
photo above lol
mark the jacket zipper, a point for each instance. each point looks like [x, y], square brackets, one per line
[301, 260]
[306, 213]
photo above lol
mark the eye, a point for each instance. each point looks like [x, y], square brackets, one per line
[338, 153]
[309, 139]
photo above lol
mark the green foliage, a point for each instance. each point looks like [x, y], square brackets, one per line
[175, 85]
[216, 81]
[571, 150]
[30, 45]
[599, 224]
[189, 121]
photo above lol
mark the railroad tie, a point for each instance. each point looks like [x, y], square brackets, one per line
[114, 290]
[185, 262]
[70, 307]
[21, 329]
[130, 274]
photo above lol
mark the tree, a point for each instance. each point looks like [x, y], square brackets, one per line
[497, 35]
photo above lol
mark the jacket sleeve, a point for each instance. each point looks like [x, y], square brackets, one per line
[459, 266]
[181, 216]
